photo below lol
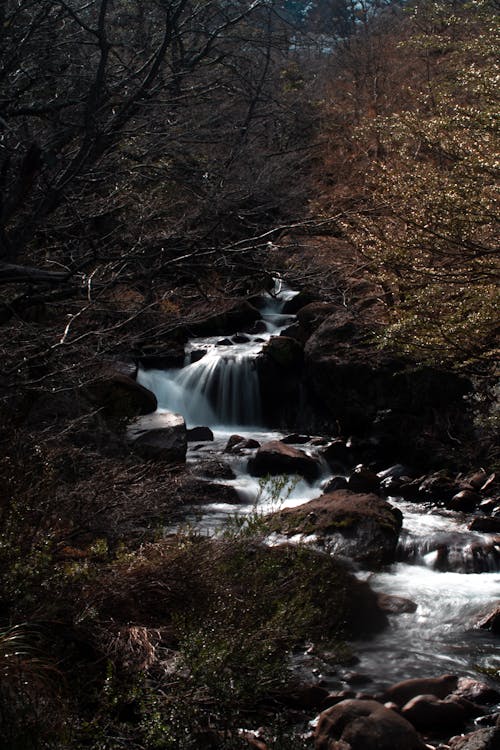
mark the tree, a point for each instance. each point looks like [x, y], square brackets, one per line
[429, 227]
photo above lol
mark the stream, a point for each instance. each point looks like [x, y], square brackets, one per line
[218, 387]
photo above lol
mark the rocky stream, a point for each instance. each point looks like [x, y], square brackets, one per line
[427, 544]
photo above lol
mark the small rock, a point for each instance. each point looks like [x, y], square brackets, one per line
[200, 434]
[404, 691]
[465, 501]
[363, 480]
[395, 605]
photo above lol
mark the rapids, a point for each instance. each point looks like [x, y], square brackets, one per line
[452, 574]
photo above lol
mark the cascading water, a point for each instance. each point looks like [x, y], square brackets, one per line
[449, 572]
[220, 388]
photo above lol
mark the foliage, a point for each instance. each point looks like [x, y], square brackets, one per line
[429, 228]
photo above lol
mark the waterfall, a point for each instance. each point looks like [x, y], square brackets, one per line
[221, 388]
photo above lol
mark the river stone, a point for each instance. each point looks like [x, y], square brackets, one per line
[465, 501]
[363, 480]
[477, 692]
[402, 692]
[335, 483]
[491, 621]
[364, 725]
[489, 524]
[237, 443]
[120, 396]
[483, 739]
[160, 436]
[361, 526]
[195, 434]
[336, 453]
[275, 457]
[395, 605]
[428, 713]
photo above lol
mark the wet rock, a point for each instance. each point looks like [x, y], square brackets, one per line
[275, 457]
[360, 526]
[477, 479]
[237, 443]
[334, 484]
[477, 692]
[395, 605]
[195, 434]
[337, 697]
[120, 396]
[237, 317]
[465, 501]
[394, 472]
[428, 713]
[159, 436]
[299, 301]
[305, 697]
[483, 739]
[240, 338]
[225, 342]
[402, 692]
[196, 355]
[438, 487]
[364, 725]
[488, 524]
[491, 484]
[197, 491]
[279, 367]
[337, 453]
[212, 468]
[491, 621]
[363, 480]
[296, 439]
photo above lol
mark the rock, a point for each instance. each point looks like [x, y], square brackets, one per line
[477, 479]
[197, 491]
[362, 527]
[491, 483]
[465, 501]
[334, 484]
[477, 692]
[394, 472]
[395, 605]
[161, 436]
[240, 338]
[491, 621]
[483, 739]
[295, 438]
[212, 468]
[237, 317]
[305, 697]
[120, 396]
[488, 524]
[438, 486]
[363, 480]
[196, 355]
[336, 453]
[279, 367]
[277, 458]
[428, 713]
[364, 725]
[238, 443]
[199, 434]
[312, 315]
[402, 692]
[299, 301]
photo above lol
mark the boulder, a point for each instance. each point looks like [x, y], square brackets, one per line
[477, 692]
[483, 739]
[334, 484]
[238, 443]
[160, 436]
[276, 457]
[336, 454]
[465, 501]
[363, 480]
[489, 524]
[199, 434]
[402, 692]
[360, 526]
[213, 468]
[364, 725]
[237, 317]
[196, 491]
[491, 621]
[430, 714]
[395, 605]
[279, 367]
[120, 396]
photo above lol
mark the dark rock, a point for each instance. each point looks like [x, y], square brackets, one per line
[212, 468]
[197, 491]
[240, 338]
[477, 692]
[438, 487]
[225, 342]
[160, 436]
[299, 301]
[337, 697]
[334, 484]
[428, 713]
[394, 472]
[465, 501]
[196, 355]
[395, 605]
[402, 692]
[120, 396]
[492, 482]
[305, 697]
[238, 443]
[239, 316]
[364, 725]
[199, 434]
[488, 506]
[279, 368]
[477, 479]
[295, 438]
[487, 524]
[337, 453]
[362, 527]
[277, 458]
[491, 621]
[483, 739]
[363, 480]
[312, 315]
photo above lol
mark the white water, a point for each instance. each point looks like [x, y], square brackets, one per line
[221, 390]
